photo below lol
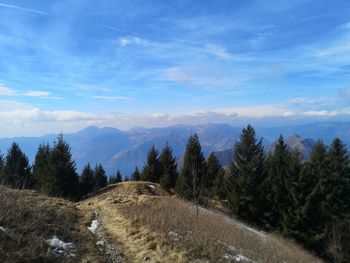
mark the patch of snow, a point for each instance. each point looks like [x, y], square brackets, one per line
[94, 225]
[240, 258]
[152, 187]
[228, 257]
[175, 236]
[100, 243]
[231, 220]
[2, 229]
[60, 247]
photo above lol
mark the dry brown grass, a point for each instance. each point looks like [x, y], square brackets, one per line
[30, 218]
[152, 223]
[211, 236]
[134, 241]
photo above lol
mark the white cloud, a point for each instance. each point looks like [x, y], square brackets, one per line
[110, 97]
[303, 101]
[23, 119]
[218, 51]
[328, 113]
[128, 41]
[5, 91]
[259, 111]
[197, 77]
[30, 10]
[123, 42]
[339, 49]
[36, 94]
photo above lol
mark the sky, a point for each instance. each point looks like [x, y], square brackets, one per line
[68, 64]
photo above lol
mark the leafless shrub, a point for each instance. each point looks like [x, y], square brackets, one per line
[335, 248]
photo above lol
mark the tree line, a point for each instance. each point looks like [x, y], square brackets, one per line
[305, 200]
[308, 201]
[52, 173]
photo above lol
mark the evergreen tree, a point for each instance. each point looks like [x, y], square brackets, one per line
[168, 168]
[136, 175]
[2, 164]
[191, 180]
[219, 190]
[100, 177]
[16, 171]
[313, 171]
[279, 187]
[311, 228]
[63, 179]
[126, 179]
[214, 169]
[112, 180]
[117, 178]
[151, 170]
[247, 172]
[336, 189]
[87, 180]
[337, 185]
[41, 167]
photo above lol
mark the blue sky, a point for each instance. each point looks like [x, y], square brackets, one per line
[65, 65]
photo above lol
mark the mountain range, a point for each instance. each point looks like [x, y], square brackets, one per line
[117, 149]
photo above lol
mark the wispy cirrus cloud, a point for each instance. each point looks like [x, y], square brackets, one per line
[25, 9]
[9, 92]
[101, 97]
[197, 76]
[37, 94]
[6, 91]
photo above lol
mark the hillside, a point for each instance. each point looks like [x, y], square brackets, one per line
[37, 228]
[145, 223]
[126, 149]
[130, 222]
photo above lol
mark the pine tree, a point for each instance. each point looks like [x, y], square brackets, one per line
[117, 178]
[214, 169]
[336, 189]
[337, 183]
[16, 171]
[87, 180]
[279, 187]
[2, 161]
[151, 170]
[313, 171]
[136, 175]
[311, 228]
[2, 164]
[62, 174]
[41, 167]
[219, 190]
[247, 172]
[168, 168]
[112, 180]
[100, 177]
[191, 180]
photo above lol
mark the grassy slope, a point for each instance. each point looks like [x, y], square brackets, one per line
[140, 220]
[148, 222]
[30, 218]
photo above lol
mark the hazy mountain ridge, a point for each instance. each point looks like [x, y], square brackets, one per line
[115, 148]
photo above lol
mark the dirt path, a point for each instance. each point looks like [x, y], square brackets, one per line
[108, 248]
[135, 244]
